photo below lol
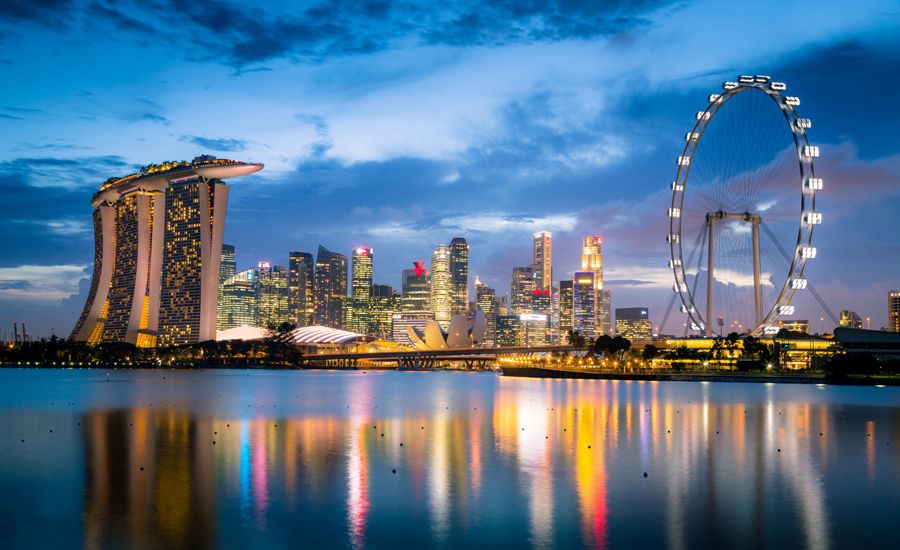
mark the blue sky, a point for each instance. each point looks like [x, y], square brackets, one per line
[399, 125]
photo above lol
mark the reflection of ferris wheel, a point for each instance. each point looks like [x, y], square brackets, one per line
[743, 182]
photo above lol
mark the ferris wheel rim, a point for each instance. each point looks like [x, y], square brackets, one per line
[809, 184]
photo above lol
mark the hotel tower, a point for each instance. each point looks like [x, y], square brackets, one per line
[157, 254]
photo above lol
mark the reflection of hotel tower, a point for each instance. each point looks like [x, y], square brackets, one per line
[157, 250]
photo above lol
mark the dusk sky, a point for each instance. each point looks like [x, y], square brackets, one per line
[400, 125]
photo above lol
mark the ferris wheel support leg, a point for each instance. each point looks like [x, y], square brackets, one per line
[710, 280]
[757, 290]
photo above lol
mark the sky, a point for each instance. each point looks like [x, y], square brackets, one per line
[400, 125]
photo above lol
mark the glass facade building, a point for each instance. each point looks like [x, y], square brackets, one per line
[330, 288]
[583, 304]
[520, 290]
[543, 260]
[634, 324]
[486, 302]
[302, 305]
[459, 276]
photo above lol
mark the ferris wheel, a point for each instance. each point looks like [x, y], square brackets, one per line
[735, 201]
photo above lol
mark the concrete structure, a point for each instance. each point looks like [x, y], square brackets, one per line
[157, 254]
[634, 324]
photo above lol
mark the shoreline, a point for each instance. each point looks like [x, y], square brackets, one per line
[538, 372]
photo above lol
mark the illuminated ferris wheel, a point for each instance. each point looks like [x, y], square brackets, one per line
[735, 199]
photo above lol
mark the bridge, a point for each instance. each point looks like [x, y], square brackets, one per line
[471, 358]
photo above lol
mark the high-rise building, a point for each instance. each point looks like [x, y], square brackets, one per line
[228, 266]
[583, 304]
[850, 319]
[384, 302]
[441, 286]
[301, 278]
[634, 324]
[543, 260]
[520, 290]
[535, 329]
[541, 301]
[894, 310]
[592, 260]
[565, 309]
[459, 276]
[401, 321]
[416, 289]
[237, 304]
[486, 302]
[361, 289]
[509, 331]
[272, 296]
[330, 288]
[157, 254]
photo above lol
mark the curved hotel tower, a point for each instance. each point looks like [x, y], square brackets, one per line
[157, 253]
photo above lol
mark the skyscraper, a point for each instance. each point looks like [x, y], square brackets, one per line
[459, 276]
[486, 302]
[301, 270]
[441, 286]
[237, 304]
[633, 323]
[384, 302]
[894, 310]
[416, 289]
[543, 260]
[157, 254]
[520, 290]
[565, 308]
[228, 266]
[272, 296]
[330, 288]
[592, 260]
[361, 289]
[583, 304]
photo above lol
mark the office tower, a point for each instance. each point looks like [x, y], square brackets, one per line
[401, 321]
[850, 319]
[894, 310]
[301, 269]
[237, 304]
[543, 260]
[520, 290]
[565, 309]
[633, 323]
[592, 260]
[535, 329]
[584, 294]
[554, 315]
[486, 302]
[416, 289]
[360, 289]
[441, 285]
[459, 276]
[330, 288]
[509, 331]
[273, 297]
[384, 302]
[502, 305]
[157, 254]
[541, 301]
[228, 266]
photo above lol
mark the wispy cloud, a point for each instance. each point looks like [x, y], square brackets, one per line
[216, 144]
[41, 282]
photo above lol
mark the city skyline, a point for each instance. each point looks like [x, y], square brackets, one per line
[599, 115]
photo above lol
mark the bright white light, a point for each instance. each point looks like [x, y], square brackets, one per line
[798, 283]
[702, 115]
[692, 136]
[729, 85]
[770, 330]
[684, 161]
[672, 238]
[675, 263]
[778, 86]
[814, 184]
[791, 100]
[674, 212]
[680, 287]
[804, 123]
[808, 252]
[785, 310]
[813, 218]
[685, 309]
[745, 79]
[677, 187]
[714, 97]
[811, 151]
[762, 78]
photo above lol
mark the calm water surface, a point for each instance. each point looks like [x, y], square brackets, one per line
[275, 459]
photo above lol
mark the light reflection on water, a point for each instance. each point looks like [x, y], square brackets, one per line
[277, 459]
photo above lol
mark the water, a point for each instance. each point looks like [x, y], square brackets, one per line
[300, 460]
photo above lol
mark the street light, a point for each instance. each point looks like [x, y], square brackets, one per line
[868, 323]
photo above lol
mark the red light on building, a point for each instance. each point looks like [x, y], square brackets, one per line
[418, 268]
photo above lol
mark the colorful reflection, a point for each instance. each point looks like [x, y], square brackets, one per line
[543, 463]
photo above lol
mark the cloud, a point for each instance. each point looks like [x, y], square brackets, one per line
[216, 144]
[146, 117]
[501, 223]
[41, 282]
[38, 11]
